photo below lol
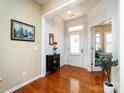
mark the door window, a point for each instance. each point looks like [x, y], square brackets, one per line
[108, 42]
[76, 28]
[98, 40]
[75, 43]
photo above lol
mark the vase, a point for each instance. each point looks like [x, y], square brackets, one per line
[54, 52]
[108, 89]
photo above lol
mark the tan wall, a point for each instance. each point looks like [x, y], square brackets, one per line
[18, 56]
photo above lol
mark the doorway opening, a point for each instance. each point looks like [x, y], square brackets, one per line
[73, 47]
[101, 39]
[43, 32]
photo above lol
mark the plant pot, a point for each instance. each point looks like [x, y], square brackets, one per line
[108, 88]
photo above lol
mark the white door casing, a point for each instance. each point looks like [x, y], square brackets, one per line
[94, 36]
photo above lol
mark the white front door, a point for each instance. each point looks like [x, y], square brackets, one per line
[76, 48]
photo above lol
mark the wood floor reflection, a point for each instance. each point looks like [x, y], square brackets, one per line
[68, 80]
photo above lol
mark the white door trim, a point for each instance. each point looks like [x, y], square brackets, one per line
[43, 19]
[90, 34]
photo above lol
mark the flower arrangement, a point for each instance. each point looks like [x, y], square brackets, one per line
[55, 47]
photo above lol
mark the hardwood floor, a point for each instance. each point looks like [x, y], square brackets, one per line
[68, 80]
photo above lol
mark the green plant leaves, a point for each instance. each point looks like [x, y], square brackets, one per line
[106, 62]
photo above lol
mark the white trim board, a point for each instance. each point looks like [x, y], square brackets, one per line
[52, 12]
[23, 84]
[43, 19]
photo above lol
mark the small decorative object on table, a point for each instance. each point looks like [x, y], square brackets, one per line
[55, 47]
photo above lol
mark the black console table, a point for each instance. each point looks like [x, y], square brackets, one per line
[52, 63]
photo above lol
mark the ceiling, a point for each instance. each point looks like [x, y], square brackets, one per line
[79, 10]
[41, 2]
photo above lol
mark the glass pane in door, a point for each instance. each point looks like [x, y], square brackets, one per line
[75, 43]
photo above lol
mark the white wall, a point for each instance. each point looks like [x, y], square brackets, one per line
[121, 14]
[106, 9]
[55, 25]
[76, 22]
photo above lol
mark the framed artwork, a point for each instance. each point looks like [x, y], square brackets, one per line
[22, 31]
[51, 38]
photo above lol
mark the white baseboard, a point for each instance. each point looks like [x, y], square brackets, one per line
[23, 84]
[62, 65]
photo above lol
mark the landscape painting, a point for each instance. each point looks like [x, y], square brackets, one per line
[22, 31]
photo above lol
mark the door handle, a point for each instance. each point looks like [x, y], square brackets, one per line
[81, 50]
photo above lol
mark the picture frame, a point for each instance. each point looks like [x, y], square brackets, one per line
[51, 38]
[21, 31]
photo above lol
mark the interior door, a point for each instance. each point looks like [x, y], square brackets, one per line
[76, 48]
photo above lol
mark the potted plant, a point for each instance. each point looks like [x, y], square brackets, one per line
[106, 62]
